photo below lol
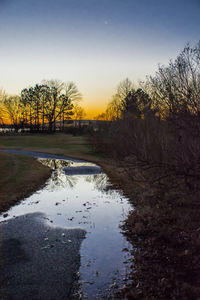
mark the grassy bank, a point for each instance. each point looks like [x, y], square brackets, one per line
[20, 176]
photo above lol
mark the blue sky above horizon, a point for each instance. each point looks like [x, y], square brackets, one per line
[95, 43]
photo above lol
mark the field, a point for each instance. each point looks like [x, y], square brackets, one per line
[56, 143]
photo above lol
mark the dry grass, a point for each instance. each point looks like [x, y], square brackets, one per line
[55, 143]
[20, 176]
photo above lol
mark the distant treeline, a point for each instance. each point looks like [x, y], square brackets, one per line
[40, 107]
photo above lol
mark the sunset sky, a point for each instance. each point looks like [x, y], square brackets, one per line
[95, 43]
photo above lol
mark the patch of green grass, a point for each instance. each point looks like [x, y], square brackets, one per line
[59, 143]
[55, 141]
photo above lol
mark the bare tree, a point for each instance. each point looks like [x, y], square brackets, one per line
[123, 89]
[72, 92]
[176, 87]
[13, 110]
[115, 106]
[2, 108]
[78, 113]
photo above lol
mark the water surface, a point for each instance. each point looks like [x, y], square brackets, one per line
[79, 195]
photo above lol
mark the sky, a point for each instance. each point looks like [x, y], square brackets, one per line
[94, 43]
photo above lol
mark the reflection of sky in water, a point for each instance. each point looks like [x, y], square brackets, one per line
[84, 201]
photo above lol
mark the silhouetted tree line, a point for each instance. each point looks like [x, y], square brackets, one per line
[158, 124]
[41, 106]
[157, 139]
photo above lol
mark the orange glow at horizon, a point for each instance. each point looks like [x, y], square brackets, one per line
[93, 111]
[95, 99]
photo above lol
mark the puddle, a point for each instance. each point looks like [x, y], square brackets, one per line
[78, 196]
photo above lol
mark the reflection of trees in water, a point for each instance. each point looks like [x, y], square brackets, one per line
[59, 180]
[100, 181]
[55, 163]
